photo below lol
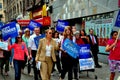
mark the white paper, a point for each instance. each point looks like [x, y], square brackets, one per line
[38, 65]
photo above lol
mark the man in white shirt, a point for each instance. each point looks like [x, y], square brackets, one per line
[33, 50]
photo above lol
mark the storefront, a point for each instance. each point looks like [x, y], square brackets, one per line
[45, 22]
[102, 25]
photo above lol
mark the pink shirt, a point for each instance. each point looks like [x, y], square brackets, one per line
[19, 50]
[114, 53]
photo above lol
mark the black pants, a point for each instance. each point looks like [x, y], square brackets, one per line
[67, 65]
[36, 72]
[6, 63]
[95, 55]
[57, 64]
[29, 66]
[75, 68]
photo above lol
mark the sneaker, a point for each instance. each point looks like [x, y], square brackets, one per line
[30, 74]
[52, 74]
[22, 71]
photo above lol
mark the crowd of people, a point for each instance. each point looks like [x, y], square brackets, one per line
[49, 52]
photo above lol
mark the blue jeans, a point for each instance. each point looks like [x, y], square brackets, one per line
[17, 68]
[11, 57]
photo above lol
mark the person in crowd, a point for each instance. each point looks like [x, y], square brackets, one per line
[46, 55]
[53, 31]
[93, 41]
[33, 50]
[113, 46]
[73, 29]
[78, 41]
[25, 38]
[56, 38]
[1, 56]
[5, 55]
[18, 58]
[84, 37]
[12, 41]
[20, 32]
[67, 60]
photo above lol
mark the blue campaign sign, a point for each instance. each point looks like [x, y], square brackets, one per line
[117, 22]
[9, 30]
[85, 58]
[36, 39]
[33, 24]
[61, 24]
[84, 51]
[71, 48]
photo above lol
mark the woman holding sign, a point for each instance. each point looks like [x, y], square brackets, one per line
[46, 55]
[113, 46]
[67, 60]
[19, 51]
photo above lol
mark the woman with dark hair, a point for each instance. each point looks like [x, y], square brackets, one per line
[113, 46]
[19, 51]
[67, 60]
[56, 38]
[83, 36]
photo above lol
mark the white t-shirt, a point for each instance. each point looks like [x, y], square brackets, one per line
[31, 42]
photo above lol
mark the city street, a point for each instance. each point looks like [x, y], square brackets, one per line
[40, 30]
[102, 74]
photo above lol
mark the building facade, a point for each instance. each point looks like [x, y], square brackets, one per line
[16, 9]
[97, 14]
[2, 15]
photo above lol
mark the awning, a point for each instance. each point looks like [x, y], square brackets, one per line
[46, 21]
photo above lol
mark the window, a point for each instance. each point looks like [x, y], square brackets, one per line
[0, 5]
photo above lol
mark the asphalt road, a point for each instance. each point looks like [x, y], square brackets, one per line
[101, 73]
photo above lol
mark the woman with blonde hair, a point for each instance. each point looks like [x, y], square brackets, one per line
[67, 61]
[46, 55]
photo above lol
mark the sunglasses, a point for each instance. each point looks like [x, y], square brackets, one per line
[18, 37]
[49, 32]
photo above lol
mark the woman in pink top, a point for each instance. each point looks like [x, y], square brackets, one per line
[19, 50]
[113, 46]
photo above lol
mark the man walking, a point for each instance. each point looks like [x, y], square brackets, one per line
[33, 50]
